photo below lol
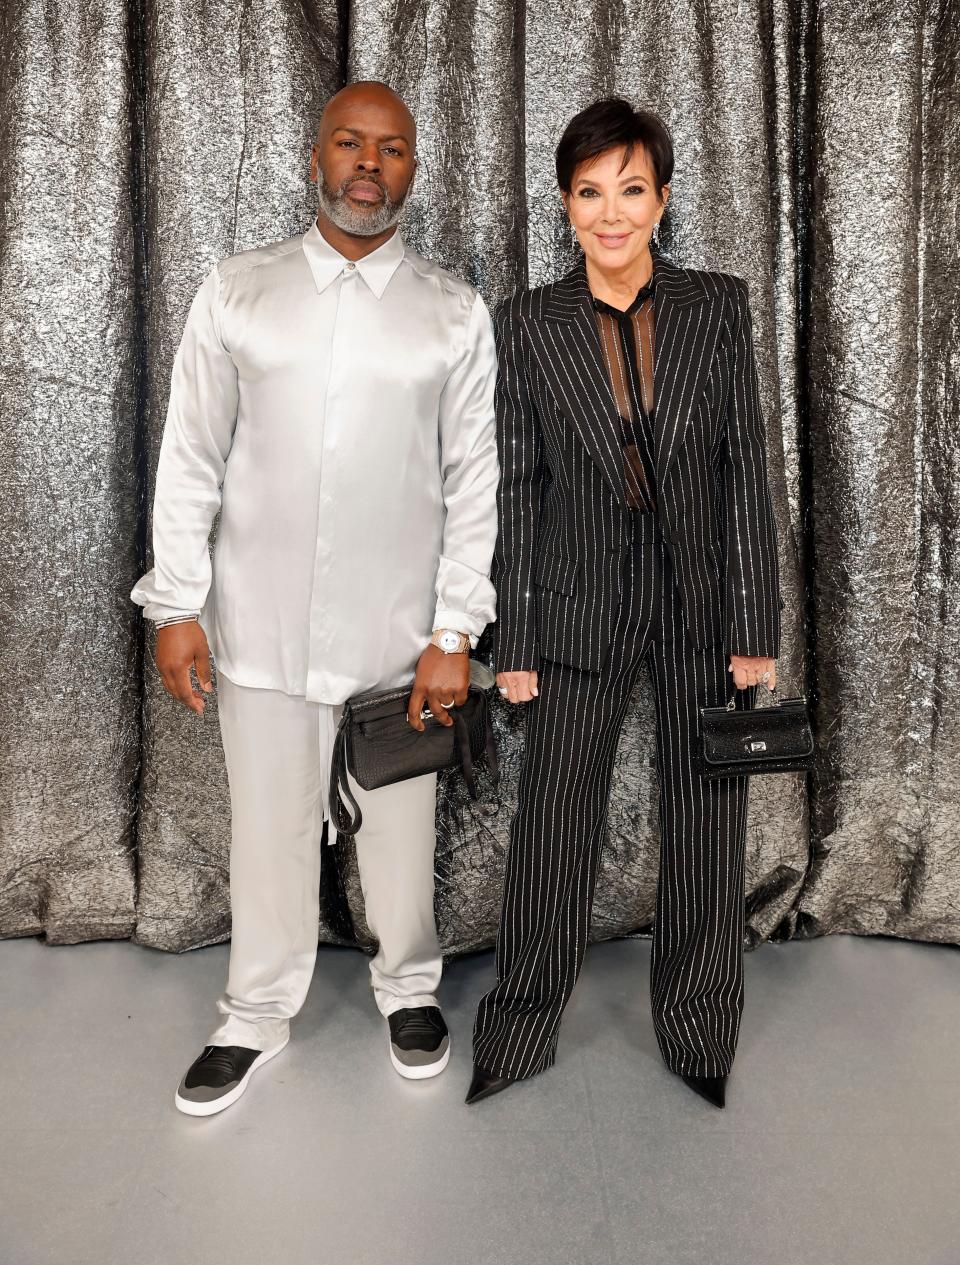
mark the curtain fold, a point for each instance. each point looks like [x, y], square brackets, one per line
[70, 650]
[885, 473]
[818, 150]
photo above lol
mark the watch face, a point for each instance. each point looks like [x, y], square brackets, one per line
[449, 641]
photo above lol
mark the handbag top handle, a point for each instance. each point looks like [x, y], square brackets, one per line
[731, 705]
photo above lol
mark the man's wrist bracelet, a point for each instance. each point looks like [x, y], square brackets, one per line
[176, 619]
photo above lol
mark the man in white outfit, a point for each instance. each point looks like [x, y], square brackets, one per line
[332, 397]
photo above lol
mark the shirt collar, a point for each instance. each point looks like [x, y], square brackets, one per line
[327, 264]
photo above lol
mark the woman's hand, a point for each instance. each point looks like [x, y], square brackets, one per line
[748, 670]
[517, 687]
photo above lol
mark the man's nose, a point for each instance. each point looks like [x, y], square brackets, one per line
[369, 160]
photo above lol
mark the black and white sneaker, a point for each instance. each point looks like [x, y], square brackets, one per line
[219, 1076]
[419, 1042]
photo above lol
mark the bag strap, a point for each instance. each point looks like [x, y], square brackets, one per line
[462, 742]
[461, 738]
[340, 786]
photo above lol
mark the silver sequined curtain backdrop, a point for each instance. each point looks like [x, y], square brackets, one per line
[817, 152]
[885, 471]
[69, 517]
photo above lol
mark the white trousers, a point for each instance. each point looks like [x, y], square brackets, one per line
[278, 750]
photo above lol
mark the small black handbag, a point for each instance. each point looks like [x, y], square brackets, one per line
[774, 739]
[380, 746]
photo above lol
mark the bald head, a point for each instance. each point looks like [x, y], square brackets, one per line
[369, 97]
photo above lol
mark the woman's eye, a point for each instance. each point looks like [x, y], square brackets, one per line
[588, 193]
[634, 188]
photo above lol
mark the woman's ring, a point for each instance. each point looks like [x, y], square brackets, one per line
[503, 690]
[765, 677]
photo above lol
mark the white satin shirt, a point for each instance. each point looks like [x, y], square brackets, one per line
[340, 416]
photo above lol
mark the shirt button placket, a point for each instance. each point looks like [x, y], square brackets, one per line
[319, 665]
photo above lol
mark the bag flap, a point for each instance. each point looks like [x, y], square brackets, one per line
[770, 733]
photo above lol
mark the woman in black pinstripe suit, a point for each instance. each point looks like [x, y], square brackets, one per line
[635, 528]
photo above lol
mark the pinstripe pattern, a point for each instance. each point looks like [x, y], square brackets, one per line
[587, 592]
[696, 986]
[562, 500]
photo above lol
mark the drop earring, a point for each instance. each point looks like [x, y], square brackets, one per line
[656, 234]
[574, 241]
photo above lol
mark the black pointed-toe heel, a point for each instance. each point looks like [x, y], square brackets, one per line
[484, 1084]
[710, 1087]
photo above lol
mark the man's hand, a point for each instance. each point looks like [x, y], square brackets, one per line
[180, 647]
[441, 678]
[748, 669]
[521, 687]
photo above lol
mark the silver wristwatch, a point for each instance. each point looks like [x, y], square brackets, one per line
[450, 641]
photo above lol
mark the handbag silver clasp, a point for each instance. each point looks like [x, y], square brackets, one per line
[758, 746]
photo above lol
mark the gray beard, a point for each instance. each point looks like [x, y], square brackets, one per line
[334, 205]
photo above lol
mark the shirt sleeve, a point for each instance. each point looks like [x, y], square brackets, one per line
[470, 470]
[197, 437]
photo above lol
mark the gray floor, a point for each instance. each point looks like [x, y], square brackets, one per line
[840, 1142]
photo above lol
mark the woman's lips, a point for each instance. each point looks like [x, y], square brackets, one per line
[365, 191]
[611, 239]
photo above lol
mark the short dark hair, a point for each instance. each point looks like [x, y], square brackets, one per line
[608, 124]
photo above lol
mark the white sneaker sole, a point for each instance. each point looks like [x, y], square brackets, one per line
[425, 1070]
[221, 1104]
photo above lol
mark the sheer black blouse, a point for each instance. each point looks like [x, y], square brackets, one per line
[628, 340]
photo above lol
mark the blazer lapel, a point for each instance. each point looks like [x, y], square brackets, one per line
[567, 345]
[688, 321]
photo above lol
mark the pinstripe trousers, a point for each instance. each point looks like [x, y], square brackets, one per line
[556, 838]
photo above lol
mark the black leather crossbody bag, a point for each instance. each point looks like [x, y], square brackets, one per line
[774, 739]
[380, 746]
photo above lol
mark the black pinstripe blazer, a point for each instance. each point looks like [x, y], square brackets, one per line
[564, 520]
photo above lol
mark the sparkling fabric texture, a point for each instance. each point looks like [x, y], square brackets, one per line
[818, 152]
